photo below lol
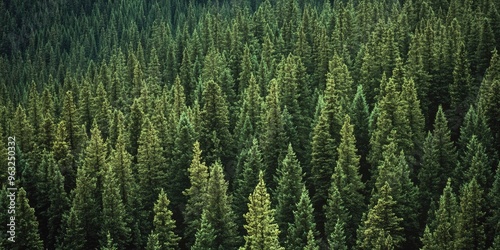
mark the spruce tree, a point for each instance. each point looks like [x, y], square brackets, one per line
[219, 209]
[246, 180]
[163, 223]
[471, 234]
[27, 234]
[337, 239]
[441, 233]
[272, 137]
[248, 123]
[151, 166]
[438, 161]
[493, 217]
[288, 191]
[298, 232]
[196, 193]
[347, 180]
[262, 231]
[360, 119]
[114, 215]
[205, 236]
[381, 223]
[215, 137]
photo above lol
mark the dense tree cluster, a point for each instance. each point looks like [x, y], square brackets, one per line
[267, 124]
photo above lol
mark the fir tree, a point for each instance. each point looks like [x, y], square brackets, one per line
[205, 236]
[109, 245]
[381, 223]
[438, 161]
[441, 233]
[298, 233]
[219, 211]
[27, 234]
[272, 138]
[150, 160]
[347, 180]
[163, 223]
[470, 221]
[196, 193]
[247, 179]
[114, 215]
[360, 119]
[262, 231]
[337, 238]
[214, 134]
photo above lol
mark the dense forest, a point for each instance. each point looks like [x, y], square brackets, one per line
[266, 124]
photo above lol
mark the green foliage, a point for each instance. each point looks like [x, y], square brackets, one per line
[262, 231]
[288, 191]
[218, 204]
[381, 225]
[163, 223]
[205, 236]
[27, 234]
[196, 193]
[298, 233]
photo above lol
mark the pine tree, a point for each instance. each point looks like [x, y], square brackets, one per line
[360, 119]
[441, 233]
[153, 242]
[288, 191]
[416, 121]
[247, 178]
[182, 156]
[473, 164]
[303, 224]
[337, 239]
[114, 215]
[205, 236]
[27, 235]
[438, 161]
[347, 180]
[196, 193]
[493, 218]
[323, 157]
[381, 223]
[248, 123]
[64, 157]
[262, 231]
[470, 221]
[272, 137]
[150, 160]
[110, 244]
[134, 127]
[219, 209]
[163, 223]
[215, 138]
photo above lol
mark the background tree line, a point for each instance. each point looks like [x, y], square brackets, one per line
[274, 124]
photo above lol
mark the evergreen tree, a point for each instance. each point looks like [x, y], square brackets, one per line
[215, 138]
[272, 138]
[337, 239]
[248, 123]
[205, 236]
[163, 223]
[347, 180]
[219, 211]
[110, 245]
[246, 180]
[438, 161]
[27, 234]
[441, 233]
[298, 233]
[381, 224]
[64, 157]
[196, 193]
[182, 155]
[150, 160]
[288, 191]
[114, 215]
[470, 221]
[360, 119]
[493, 217]
[262, 231]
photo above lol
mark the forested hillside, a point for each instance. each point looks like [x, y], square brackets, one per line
[266, 124]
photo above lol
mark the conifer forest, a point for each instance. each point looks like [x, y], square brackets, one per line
[250, 124]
